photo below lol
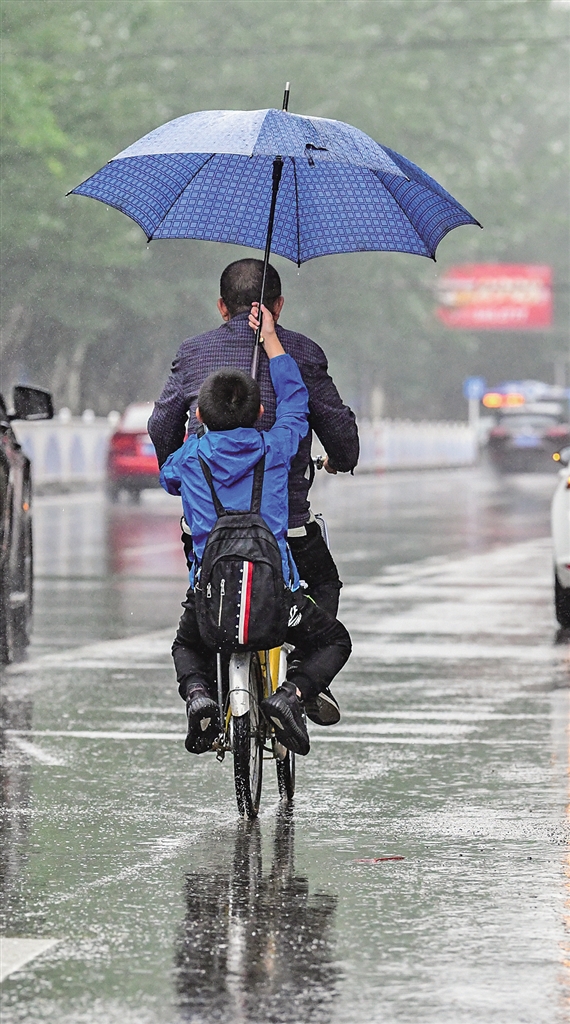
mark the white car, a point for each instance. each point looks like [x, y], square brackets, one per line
[560, 518]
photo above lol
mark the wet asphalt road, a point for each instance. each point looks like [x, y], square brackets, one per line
[423, 874]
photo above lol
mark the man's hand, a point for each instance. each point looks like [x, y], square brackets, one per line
[328, 467]
[269, 339]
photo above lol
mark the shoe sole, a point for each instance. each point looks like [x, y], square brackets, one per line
[202, 731]
[286, 729]
[323, 710]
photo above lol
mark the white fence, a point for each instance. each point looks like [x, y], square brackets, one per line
[66, 451]
[402, 444]
[75, 450]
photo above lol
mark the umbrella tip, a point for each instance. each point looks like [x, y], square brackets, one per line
[285, 107]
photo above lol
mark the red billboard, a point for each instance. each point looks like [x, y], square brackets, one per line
[496, 297]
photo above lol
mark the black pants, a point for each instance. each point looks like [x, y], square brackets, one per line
[317, 567]
[322, 646]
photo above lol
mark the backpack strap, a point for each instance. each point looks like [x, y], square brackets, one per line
[257, 489]
[220, 510]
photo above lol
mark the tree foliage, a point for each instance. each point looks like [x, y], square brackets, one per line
[474, 92]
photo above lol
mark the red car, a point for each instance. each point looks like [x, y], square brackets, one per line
[132, 465]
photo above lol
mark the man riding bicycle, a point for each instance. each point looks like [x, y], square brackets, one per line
[216, 473]
[332, 421]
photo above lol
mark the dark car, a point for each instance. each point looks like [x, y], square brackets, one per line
[132, 465]
[16, 569]
[526, 438]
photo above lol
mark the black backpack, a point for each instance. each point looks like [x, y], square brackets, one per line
[240, 591]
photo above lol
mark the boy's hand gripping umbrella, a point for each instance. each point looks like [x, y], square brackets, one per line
[297, 186]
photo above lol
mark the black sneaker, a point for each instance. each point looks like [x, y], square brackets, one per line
[323, 709]
[284, 711]
[203, 721]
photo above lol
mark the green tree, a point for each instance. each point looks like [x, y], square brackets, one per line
[475, 91]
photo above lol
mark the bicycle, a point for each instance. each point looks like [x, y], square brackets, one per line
[243, 681]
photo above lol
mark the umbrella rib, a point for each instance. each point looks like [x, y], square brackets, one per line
[297, 212]
[431, 255]
[174, 201]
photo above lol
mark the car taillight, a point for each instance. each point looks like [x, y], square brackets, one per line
[498, 432]
[561, 431]
[124, 444]
[144, 445]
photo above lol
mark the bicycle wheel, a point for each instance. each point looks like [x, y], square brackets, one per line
[247, 746]
[286, 777]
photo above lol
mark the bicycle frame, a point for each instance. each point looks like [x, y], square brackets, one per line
[238, 697]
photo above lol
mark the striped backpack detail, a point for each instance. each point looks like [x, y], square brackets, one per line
[240, 591]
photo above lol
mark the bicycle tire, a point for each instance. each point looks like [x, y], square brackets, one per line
[286, 777]
[247, 745]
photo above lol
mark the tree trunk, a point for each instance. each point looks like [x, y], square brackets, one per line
[74, 376]
[13, 334]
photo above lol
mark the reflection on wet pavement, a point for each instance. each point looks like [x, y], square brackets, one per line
[431, 837]
[256, 947]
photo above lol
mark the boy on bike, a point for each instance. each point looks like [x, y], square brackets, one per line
[229, 405]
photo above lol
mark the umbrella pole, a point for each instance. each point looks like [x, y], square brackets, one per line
[277, 170]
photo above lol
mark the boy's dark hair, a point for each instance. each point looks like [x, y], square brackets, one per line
[228, 399]
[240, 285]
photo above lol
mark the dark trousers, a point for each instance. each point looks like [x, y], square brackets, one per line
[322, 646]
[317, 567]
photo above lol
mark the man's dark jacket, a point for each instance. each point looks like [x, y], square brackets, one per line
[232, 345]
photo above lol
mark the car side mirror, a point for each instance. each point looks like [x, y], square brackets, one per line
[563, 456]
[31, 403]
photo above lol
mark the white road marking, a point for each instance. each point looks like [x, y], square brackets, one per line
[490, 568]
[34, 751]
[429, 741]
[409, 728]
[167, 847]
[15, 953]
[96, 734]
[446, 716]
[106, 654]
[399, 652]
[147, 711]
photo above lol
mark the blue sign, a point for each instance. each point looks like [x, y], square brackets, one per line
[474, 387]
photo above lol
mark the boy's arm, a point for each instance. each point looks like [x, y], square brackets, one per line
[292, 412]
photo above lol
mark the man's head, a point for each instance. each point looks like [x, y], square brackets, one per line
[228, 399]
[240, 285]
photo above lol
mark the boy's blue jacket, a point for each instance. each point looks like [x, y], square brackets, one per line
[232, 455]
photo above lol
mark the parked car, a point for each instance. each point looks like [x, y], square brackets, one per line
[132, 465]
[16, 549]
[560, 523]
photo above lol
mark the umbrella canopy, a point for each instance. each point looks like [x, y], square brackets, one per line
[210, 175]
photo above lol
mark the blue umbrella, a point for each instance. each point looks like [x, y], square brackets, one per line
[299, 186]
